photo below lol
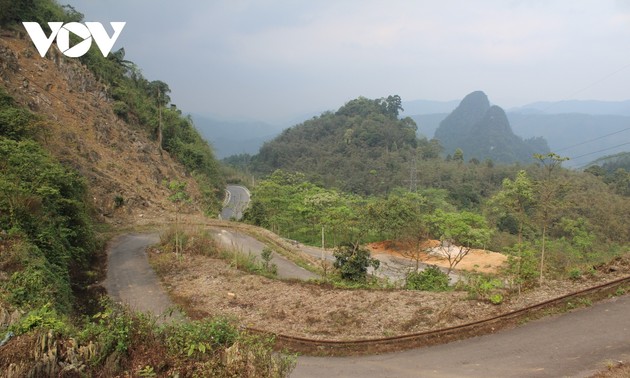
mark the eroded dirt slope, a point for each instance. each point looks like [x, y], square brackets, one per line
[79, 127]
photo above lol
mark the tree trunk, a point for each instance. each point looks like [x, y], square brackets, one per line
[542, 254]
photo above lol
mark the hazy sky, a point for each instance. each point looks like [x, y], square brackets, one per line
[276, 59]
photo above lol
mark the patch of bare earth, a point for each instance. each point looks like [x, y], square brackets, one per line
[478, 260]
[209, 287]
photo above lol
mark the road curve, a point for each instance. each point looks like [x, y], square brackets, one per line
[575, 344]
[247, 244]
[131, 280]
[237, 201]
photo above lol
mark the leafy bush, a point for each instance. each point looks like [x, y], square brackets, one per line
[43, 209]
[430, 279]
[45, 318]
[353, 261]
[15, 122]
[480, 286]
[196, 338]
[266, 256]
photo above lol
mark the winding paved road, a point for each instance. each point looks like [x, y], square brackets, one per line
[237, 201]
[131, 280]
[575, 344]
[247, 244]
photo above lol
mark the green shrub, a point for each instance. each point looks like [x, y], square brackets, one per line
[430, 279]
[196, 338]
[484, 287]
[45, 318]
[119, 201]
[352, 261]
[43, 205]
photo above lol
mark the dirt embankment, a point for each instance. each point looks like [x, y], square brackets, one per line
[207, 286]
[78, 126]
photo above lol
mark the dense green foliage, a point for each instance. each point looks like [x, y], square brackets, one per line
[352, 261]
[195, 348]
[41, 11]
[429, 279]
[502, 208]
[613, 170]
[363, 148]
[43, 217]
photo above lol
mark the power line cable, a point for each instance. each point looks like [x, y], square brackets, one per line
[605, 149]
[592, 140]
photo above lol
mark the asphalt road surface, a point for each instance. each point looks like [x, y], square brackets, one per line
[238, 199]
[247, 244]
[575, 344]
[131, 280]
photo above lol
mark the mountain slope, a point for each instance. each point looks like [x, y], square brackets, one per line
[235, 137]
[361, 148]
[78, 126]
[483, 132]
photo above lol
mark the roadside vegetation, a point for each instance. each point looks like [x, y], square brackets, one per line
[551, 222]
[52, 322]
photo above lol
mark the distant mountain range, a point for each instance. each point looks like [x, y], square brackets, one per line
[563, 124]
[576, 106]
[582, 137]
[235, 137]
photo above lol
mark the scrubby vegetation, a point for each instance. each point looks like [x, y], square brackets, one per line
[551, 221]
[47, 233]
[48, 246]
[143, 104]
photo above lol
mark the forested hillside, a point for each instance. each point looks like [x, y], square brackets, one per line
[84, 142]
[551, 221]
[361, 148]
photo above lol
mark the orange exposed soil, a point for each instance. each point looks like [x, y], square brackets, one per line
[477, 260]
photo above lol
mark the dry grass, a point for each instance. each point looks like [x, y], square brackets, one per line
[208, 286]
[614, 370]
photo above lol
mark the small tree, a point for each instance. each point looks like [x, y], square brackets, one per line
[430, 279]
[353, 261]
[459, 233]
[548, 190]
[517, 200]
[178, 196]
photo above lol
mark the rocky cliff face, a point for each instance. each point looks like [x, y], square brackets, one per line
[77, 125]
[483, 132]
[461, 120]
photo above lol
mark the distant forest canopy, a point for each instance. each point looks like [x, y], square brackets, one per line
[614, 162]
[361, 148]
[365, 148]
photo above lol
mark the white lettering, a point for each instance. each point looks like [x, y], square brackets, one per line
[103, 41]
[41, 42]
[87, 32]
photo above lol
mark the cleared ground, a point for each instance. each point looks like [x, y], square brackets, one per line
[208, 286]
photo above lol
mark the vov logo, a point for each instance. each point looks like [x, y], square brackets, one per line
[89, 31]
